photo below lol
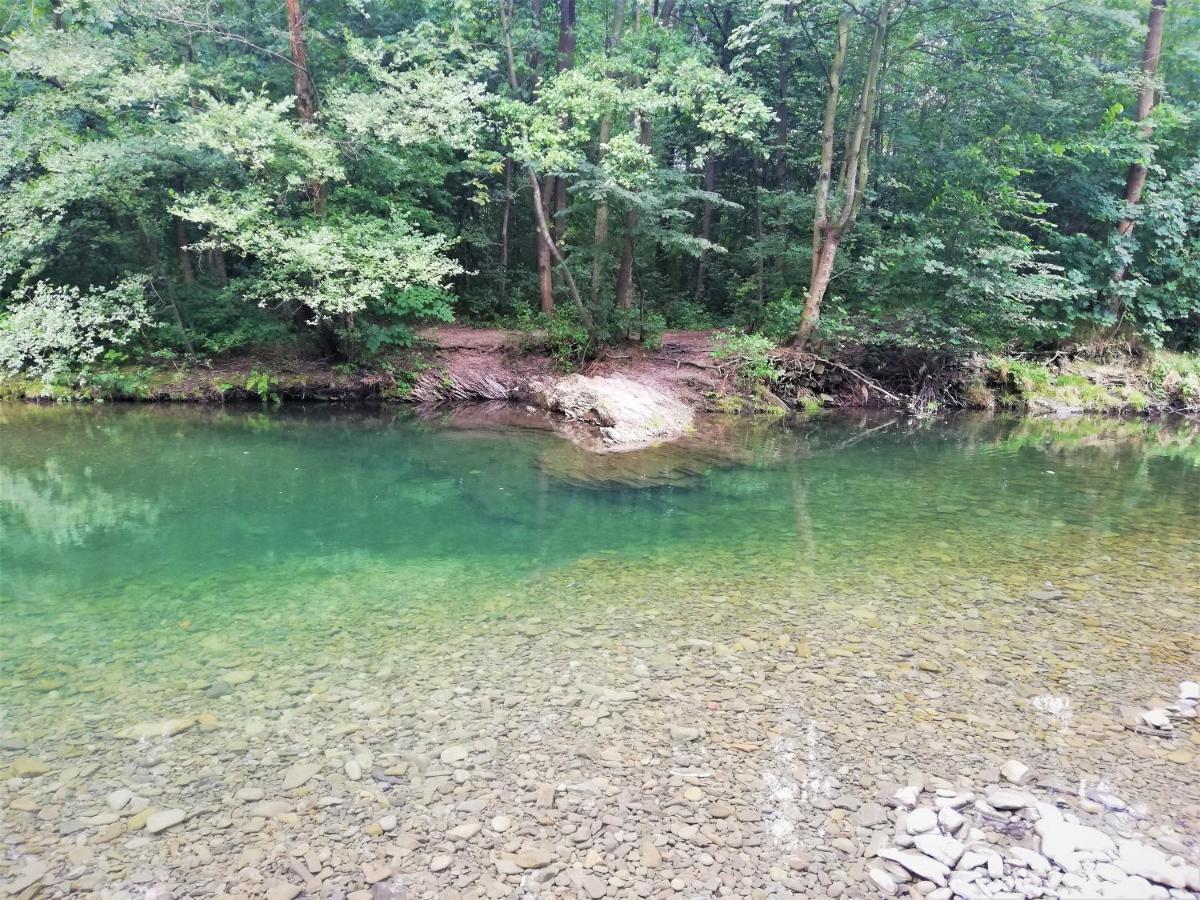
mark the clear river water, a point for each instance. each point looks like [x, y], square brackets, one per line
[368, 653]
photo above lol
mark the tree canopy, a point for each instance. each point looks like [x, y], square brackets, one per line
[180, 176]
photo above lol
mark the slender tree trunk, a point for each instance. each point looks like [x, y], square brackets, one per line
[306, 95]
[505, 215]
[187, 271]
[545, 189]
[1135, 181]
[216, 267]
[566, 62]
[600, 236]
[539, 213]
[707, 217]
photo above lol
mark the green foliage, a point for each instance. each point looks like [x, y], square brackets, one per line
[263, 385]
[156, 144]
[748, 355]
[53, 330]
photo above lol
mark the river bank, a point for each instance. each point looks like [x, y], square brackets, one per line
[688, 371]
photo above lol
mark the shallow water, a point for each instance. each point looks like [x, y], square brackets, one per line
[836, 605]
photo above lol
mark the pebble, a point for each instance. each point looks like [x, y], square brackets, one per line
[441, 863]
[501, 824]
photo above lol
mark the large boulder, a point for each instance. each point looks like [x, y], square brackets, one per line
[629, 414]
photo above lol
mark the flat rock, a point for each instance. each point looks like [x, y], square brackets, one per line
[163, 729]
[464, 832]
[28, 767]
[918, 863]
[1010, 799]
[299, 774]
[163, 820]
[534, 858]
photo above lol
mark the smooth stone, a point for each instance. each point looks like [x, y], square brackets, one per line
[164, 729]
[870, 815]
[1016, 772]
[1010, 799]
[28, 767]
[651, 855]
[464, 832]
[501, 824]
[920, 820]
[534, 858]
[441, 863]
[455, 753]
[918, 863]
[1182, 757]
[685, 733]
[284, 892]
[945, 850]
[249, 794]
[161, 821]
[119, 799]
[299, 774]
[884, 882]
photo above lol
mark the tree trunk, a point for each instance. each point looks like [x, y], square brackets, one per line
[306, 96]
[539, 213]
[187, 271]
[625, 272]
[566, 62]
[1135, 181]
[545, 273]
[505, 215]
[600, 236]
[707, 217]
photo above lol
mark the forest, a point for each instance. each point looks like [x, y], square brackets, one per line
[186, 179]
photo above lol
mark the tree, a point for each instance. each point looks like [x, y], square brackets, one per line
[830, 229]
[1135, 182]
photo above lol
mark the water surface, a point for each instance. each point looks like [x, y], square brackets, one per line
[394, 583]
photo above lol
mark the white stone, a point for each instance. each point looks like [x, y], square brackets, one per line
[119, 799]
[951, 820]
[918, 863]
[944, 849]
[920, 821]
[1189, 690]
[298, 774]
[1016, 772]
[161, 821]
[501, 824]
[1009, 799]
[1138, 859]
[1156, 718]
[1031, 860]
[883, 881]
[907, 796]
[353, 770]
[958, 801]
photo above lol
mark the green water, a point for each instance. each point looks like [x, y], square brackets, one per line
[119, 518]
[895, 596]
[120, 524]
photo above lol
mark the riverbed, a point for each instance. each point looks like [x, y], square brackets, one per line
[367, 653]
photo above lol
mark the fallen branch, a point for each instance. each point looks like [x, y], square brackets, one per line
[860, 376]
